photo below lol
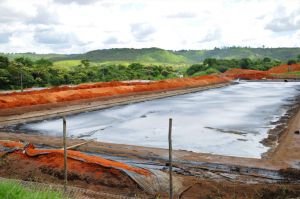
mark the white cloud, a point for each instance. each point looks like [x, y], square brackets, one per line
[69, 26]
[141, 31]
[81, 2]
[183, 15]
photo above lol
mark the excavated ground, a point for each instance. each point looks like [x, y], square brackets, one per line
[205, 175]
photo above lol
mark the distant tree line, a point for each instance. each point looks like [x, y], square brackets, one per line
[212, 65]
[43, 73]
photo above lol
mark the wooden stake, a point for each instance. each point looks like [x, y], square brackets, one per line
[170, 158]
[65, 152]
[76, 145]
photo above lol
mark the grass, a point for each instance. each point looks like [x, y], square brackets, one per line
[70, 63]
[9, 189]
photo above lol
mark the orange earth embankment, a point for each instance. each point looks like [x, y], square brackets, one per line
[256, 74]
[61, 94]
[11, 144]
[55, 158]
[284, 68]
[235, 73]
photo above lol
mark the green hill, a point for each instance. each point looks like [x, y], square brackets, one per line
[145, 55]
[283, 54]
[34, 56]
[156, 55]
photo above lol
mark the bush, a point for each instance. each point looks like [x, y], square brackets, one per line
[291, 61]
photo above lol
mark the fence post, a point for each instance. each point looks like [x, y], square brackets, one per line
[170, 158]
[65, 152]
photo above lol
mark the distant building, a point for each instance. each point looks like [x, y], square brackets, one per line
[180, 76]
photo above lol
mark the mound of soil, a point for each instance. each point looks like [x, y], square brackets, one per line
[11, 144]
[61, 94]
[238, 71]
[284, 68]
[14, 167]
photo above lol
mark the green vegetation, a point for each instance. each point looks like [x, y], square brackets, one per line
[212, 65]
[199, 56]
[146, 55]
[156, 55]
[291, 62]
[9, 189]
[34, 56]
[287, 74]
[43, 73]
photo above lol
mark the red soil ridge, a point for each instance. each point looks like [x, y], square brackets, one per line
[60, 94]
[86, 91]
[11, 144]
[55, 158]
[284, 68]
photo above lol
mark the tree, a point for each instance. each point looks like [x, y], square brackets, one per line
[210, 62]
[298, 58]
[195, 68]
[43, 66]
[85, 62]
[4, 62]
[170, 69]
[44, 62]
[25, 61]
[165, 73]
[245, 63]
[267, 59]
[277, 62]
[291, 61]
[135, 66]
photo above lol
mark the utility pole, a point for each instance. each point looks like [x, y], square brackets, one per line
[103, 76]
[21, 76]
[170, 158]
[149, 75]
[65, 152]
[21, 79]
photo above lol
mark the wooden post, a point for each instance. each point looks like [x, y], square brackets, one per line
[170, 158]
[65, 152]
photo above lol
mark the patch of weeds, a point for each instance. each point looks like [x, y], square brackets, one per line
[3, 161]
[290, 173]
[219, 194]
[257, 193]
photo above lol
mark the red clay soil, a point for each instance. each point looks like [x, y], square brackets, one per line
[255, 74]
[110, 181]
[60, 94]
[238, 71]
[14, 167]
[11, 144]
[284, 68]
[55, 158]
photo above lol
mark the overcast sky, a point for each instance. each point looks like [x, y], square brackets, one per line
[72, 26]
